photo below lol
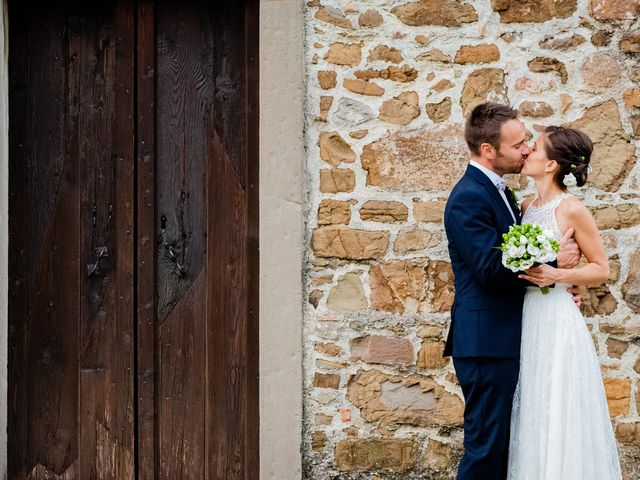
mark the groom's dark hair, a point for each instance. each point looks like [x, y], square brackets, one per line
[484, 123]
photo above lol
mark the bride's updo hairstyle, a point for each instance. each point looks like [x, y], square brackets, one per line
[571, 149]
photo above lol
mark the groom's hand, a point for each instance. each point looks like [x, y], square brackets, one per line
[574, 290]
[569, 254]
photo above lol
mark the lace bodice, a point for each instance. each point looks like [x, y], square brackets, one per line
[545, 215]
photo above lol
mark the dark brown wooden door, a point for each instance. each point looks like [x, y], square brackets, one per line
[133, 240]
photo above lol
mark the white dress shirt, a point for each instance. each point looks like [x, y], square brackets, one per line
[498, 181]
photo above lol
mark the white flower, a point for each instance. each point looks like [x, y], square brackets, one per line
[523, 240]
[533, 250]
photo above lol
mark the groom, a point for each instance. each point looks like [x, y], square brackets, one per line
[486, 317]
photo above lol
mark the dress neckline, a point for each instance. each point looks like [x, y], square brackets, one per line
[554, 200]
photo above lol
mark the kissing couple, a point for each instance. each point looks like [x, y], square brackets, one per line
[535, 404]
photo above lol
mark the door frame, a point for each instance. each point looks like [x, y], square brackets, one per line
[281, 209]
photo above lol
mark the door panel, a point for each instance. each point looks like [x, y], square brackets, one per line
[71, 243]
[133, 240]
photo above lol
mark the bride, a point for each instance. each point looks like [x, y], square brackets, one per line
[560, 426]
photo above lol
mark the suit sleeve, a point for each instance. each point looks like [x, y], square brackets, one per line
[470, 225]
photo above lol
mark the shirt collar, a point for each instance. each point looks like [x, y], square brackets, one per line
[496, 179]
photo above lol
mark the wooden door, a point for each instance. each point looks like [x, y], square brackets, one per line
[133, 240]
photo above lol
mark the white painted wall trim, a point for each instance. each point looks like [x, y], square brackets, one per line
[281, 236]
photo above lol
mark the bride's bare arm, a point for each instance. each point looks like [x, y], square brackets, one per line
[577, 215]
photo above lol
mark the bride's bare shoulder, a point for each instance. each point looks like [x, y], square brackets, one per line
[573, 209]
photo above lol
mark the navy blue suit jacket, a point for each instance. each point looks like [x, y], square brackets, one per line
[486, 317]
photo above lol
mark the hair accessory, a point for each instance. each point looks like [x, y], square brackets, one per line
[582, 158]
[573, 166]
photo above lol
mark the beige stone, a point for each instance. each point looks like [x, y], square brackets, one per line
[370, 18]
[618, 395]
[524, 11]
[381, 349]
[535, 109]
[334, 211]
[600, 70]
[318, 441]
[614, 9]
[486, 84]
[415, 240]
[601, 38]
[631, 97]
[325, 105]
[403, 400]
[358, 134]
[442, 85]
[485, 53]
[546, 64]
[616, 348]
[411, 160]
[388, 455]
[348, 243]
[429, 211]
[347, 294]
[449, 13]
[344, 54]
[384, 211]
[617, 216]
[400, 109]
[552, 42]
[326, 380]
[533, 85]
[613, 156]
[422, 39]
[635, 125]
[322, 280]
[334, 17]
[363, 87]
[630, 43]
[330, 349]
[412, 285]
[433, 332]
[385, 54]
[434, 55]
[334, 149]
[402, 74]
[315, 296]
[430, 355]
[631, 287]
[439, 112]
[399, 285]
[628, 433]
[337, 180]
[437, 455]
[565, 103]
[351, 113]
[323, 419]
[597, 300]
[327, 79]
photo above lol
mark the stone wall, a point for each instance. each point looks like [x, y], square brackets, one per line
[388, 84]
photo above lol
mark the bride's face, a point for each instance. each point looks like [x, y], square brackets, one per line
[537, 164]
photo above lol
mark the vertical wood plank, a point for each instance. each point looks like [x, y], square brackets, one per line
[147, 432]
[184, 97]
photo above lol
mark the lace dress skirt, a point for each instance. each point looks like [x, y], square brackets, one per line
[560, 425]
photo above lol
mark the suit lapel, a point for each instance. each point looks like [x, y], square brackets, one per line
[483, 180]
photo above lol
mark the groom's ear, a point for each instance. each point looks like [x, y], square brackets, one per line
[488, 151]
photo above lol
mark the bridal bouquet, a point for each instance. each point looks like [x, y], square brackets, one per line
[527, 245]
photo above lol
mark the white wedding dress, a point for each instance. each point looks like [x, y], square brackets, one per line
[560, 426]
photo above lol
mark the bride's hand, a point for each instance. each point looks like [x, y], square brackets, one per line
[542, 275]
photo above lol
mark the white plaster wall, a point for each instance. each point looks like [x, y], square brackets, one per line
[281, 203]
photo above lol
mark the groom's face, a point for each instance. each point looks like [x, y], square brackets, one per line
[513, 148]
